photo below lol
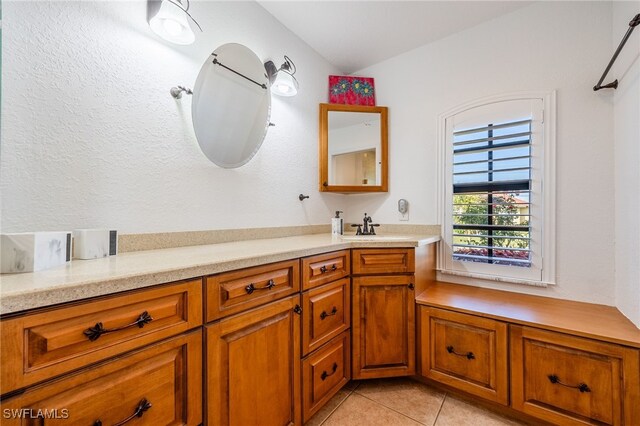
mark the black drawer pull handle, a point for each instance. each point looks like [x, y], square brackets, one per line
[252, 287]
[324, 374]
[324, 269]
[142, 407]
[582, 387]
[468, 355]
[324, 314]
[94, 333]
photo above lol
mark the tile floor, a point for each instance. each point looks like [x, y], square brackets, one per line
[400, 402]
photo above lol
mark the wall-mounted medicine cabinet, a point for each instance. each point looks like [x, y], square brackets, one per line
[353, 148]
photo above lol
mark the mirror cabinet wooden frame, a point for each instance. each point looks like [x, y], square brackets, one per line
[324, 149]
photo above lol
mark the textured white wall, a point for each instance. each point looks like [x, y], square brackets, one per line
[626, 114]
[92, 138]
[544, 46]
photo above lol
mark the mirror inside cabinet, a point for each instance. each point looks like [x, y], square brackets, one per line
[353, 148]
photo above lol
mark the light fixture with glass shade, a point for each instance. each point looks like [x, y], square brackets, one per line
[170, 22]
[283, 83]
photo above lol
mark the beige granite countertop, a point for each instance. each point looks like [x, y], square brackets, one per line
[81, 279]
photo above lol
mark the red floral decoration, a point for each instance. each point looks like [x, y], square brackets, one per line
[351, 90]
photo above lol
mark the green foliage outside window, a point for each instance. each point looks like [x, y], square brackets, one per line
[473, 209]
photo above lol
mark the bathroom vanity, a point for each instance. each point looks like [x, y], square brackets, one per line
[260, 339]
[267, 331]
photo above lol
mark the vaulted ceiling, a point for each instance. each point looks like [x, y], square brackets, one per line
[353, 35]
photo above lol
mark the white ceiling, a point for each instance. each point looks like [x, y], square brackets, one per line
[356, 34]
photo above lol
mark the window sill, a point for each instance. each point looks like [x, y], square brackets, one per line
[492, 278]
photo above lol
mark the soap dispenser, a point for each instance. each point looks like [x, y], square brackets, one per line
[337, 224]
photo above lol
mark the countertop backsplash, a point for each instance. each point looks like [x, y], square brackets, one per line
[154, 241]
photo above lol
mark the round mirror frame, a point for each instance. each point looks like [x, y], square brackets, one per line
[231, 105]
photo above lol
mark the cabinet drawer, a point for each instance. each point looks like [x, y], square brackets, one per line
[324, 373]
[324, 268]
[237, 291]
[383, 261]
[466, 352]
[161, 382]
[325, 313]
[44, 345]
[571, 380]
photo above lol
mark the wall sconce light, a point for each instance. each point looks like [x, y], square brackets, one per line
[283, 83]
[169, 21]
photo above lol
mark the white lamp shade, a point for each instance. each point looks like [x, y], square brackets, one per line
[171, 24]
[285, 84]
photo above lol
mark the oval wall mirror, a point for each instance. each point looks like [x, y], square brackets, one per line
[231, 105]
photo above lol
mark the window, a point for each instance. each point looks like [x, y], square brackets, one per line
[497, 218]
[491, 194]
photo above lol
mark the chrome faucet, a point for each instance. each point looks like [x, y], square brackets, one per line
[367, 228]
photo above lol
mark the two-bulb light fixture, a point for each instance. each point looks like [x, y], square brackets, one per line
[170, 22]
[283, 83]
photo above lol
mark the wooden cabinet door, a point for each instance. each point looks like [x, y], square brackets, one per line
[253, 367]
[158, 385]
[383, 326]
[574, 381]
[464, 351]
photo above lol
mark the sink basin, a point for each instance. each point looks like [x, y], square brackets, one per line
[375, 238]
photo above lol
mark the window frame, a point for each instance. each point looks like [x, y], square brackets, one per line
[543, 148]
